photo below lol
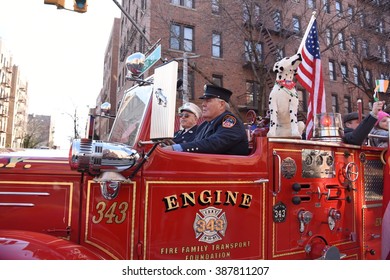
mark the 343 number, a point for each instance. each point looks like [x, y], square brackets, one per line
[210, 225]
[116, 213]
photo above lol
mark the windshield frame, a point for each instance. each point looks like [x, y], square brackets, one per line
[128, 122]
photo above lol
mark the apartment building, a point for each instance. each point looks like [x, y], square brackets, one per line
[5, 90]
[18, 104]
[110, 79]
[13, 101]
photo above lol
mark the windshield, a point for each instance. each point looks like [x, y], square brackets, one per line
[130, 115]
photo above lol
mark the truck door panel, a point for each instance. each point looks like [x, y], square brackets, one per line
[310, 204]
[109, 224]
[48, 204]
[204, 219]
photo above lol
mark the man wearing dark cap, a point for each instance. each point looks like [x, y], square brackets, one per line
[356, 132]
[222, 132]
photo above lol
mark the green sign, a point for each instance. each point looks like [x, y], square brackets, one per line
[152, 59]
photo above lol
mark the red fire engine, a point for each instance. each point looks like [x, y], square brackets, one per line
[130, 199]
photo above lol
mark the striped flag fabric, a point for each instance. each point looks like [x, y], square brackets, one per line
[309, 75]
[381, 86]
[385, 250]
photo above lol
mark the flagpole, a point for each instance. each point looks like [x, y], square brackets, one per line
[313, 17]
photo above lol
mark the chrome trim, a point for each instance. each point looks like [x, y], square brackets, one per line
[279, 174]
[12, 204]
[261, 181]
[372, 205]
[25, 193]
[312, 142]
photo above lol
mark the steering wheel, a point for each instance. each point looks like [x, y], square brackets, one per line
[250, 117]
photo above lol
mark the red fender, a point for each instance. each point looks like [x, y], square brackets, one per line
[26, 245]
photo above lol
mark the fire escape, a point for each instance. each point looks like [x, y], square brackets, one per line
[260, 59]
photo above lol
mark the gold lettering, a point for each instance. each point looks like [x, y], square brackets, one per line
[168, 251]
[211, 256]
[171, 202]
[205, 197]
[246, 200]
[218, 197]
[188, 197]
[231, 198]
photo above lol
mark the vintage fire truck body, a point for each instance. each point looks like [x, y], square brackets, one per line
[131, 199]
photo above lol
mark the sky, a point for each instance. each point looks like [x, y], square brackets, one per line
[61, 55]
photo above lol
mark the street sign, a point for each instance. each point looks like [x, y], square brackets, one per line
[151, 59]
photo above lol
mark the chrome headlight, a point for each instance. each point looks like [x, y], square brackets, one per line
[94, 156]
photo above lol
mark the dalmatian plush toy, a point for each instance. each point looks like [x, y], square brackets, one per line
[283, 100]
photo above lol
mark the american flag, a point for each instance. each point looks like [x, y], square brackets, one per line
[309, 75]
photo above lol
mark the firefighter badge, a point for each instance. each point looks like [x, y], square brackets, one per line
[210, 225]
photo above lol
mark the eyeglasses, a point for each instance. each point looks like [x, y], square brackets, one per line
[181, 115]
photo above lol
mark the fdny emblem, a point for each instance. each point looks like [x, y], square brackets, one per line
[229, 121]
[211, 225]
[288, 168]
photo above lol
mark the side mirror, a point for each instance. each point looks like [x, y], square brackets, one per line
[134, 65]
[105, 110]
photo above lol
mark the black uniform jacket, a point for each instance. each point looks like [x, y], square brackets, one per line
[181, 137]
[358, 135]
[223, 135]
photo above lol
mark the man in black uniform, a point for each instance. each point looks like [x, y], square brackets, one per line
[354, 132]
[222, 132]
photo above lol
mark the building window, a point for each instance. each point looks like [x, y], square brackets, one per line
[251, 16]
[339, 8]
[296, 24]
[329, 36]
[217, 80]
[356, 75]
[215, 7]
[364, 48]
[257, 12]
[384, 76]
[216, 45]
[277, 20]
[143, 5]
[311, 4]
[335, 103]
[362, 19]
[326, 6]
[344, 71]
[279, 53]
[181, 37]
[368, 76]
[350, 11]
[379, 26]
[251, 93]
[347, 104]
[383, 53]
[184, 3]
[251, 54]
[332, 71]
[353, 44]
[341, 41]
